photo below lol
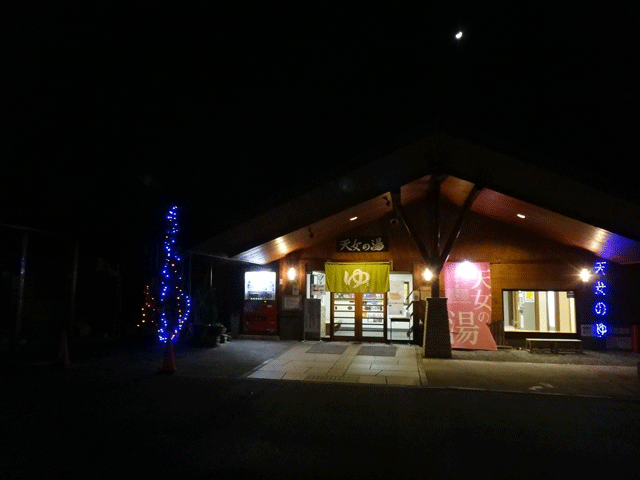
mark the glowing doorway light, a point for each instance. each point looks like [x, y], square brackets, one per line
[467, 270]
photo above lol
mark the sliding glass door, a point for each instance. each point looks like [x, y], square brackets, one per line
[358, 316]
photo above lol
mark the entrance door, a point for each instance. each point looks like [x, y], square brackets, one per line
[358, 316]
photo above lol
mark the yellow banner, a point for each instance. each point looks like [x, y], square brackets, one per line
[357, 277]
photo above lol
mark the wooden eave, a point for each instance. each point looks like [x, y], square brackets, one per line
[555, 207]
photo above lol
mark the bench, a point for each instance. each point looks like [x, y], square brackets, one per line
[553, 344]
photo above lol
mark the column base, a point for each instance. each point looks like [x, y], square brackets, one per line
[437, 342]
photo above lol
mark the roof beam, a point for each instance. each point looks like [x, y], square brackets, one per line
[455, 232]
[433, 202]
[400, 213]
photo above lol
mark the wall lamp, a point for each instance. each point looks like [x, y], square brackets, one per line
[291, 274]
[427, 275]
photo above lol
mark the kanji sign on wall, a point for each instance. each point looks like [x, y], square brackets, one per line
[467, 287]
[361, 244]
[601, 289]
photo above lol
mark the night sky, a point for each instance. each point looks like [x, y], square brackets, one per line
[113, 111]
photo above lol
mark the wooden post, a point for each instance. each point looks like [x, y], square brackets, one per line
[437, 341]
[74, 283]
[434, 224]
[22, 273]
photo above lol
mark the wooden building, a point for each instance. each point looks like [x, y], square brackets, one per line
[442, 200]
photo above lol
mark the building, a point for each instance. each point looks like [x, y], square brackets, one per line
[542, 255]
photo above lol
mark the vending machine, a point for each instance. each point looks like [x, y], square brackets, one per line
[260, 316]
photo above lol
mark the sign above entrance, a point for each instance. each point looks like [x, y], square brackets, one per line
[361, 244]
[358, 277]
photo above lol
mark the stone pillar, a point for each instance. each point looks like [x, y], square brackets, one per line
[437, 341]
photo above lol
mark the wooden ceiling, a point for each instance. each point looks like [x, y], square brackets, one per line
[319, 231]
[553, 206]
[546, 223]
[489, 203]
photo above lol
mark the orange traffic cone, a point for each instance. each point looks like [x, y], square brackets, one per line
[63, 353]
[169, 359]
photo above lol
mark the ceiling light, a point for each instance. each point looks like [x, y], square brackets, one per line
[519, 215]
[353, 218]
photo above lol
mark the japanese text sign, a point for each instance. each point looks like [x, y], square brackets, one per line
[601, 289]
[361, 244]
[357, 277]
[467, 287]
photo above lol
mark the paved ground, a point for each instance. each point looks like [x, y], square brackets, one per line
[345, 363]
[110, 415]
[604, 374]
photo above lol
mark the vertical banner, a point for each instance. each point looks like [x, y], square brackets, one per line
[467, 287]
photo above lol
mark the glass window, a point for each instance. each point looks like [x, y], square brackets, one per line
[539, 311]
[399, 307]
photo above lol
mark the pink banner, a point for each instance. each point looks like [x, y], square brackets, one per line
[467, 287]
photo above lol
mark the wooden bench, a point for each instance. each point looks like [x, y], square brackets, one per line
[553, 344]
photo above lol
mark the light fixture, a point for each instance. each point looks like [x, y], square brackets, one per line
[520, 215]
[459, 35]
[427, 275]
[353, 218]
[585, 275]
[173, 314]
[291, 274]
[467, 270]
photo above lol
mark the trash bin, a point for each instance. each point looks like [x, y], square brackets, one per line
[215, 333]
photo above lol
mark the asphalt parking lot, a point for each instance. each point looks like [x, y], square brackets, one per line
[111, 413]
[592, 373]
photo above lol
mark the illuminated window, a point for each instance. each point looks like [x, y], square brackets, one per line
[539, 311]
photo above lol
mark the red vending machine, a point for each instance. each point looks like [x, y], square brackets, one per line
[260, 311]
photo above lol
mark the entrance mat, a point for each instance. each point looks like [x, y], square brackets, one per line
[377, 351]
[328, 348]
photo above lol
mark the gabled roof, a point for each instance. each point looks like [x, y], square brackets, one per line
[554, 206]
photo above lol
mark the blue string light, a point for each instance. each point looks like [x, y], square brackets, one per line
[175, 304]
[601, 290]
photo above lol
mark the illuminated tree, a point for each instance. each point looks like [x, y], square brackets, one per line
[148, 317]
[175, 304]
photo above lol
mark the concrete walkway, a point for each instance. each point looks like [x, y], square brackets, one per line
[591, 374]
[549, 378]
[346, 363]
